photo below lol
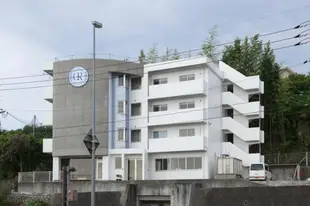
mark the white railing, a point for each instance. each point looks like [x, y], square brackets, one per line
[47, 176]
[44, 176]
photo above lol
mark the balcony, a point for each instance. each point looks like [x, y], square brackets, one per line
[176, 117]
[48, 145]
[245, 108]
[245, 133]
[247, 159]
[176, 144]
[176, 89]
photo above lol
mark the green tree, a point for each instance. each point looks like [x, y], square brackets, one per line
[152, 55]
[175, 55]
[209, 46]
[250, 57]
[20, 151]
[166, 56]
[142, 57]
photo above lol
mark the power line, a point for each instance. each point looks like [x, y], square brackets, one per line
[105, 73]
[299, 26]
[140, 127]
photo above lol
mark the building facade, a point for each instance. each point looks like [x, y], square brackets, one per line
[168, 120]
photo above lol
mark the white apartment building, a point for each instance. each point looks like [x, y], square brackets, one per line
[173, 121]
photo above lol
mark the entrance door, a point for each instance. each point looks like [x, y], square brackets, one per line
[134, 169]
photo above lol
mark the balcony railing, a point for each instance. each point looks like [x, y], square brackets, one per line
[183, 88]
[173, 144]
[177, 117]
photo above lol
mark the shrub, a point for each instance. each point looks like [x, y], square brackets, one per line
[36, 203]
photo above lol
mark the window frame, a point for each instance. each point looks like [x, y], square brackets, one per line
[187, 131]
[121, 81]
[188, 105]
[160, 107]
[135, 130]
[123, 136]
[140, 85]
[159, 134]
[187, 77]
[162, 164]
[140, 109]
[123, 111]
[163, 80]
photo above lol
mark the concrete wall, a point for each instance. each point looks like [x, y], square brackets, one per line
[102, 199]
[164, 185]
[72, 106]
[255, 196]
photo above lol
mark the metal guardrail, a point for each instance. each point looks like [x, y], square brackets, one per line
[160, 58]
[48, 176]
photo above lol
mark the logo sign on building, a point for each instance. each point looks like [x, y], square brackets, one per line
[78, 77]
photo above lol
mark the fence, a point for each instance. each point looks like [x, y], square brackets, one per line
[301, 158]
[47, 176]
[160, 58]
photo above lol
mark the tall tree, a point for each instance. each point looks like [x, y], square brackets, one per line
[152, 55]
[250, 57]
[176, 55]
[167, 55]
[142, 57]
[209, 46]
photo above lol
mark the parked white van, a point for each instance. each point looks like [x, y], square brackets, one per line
[259, 171]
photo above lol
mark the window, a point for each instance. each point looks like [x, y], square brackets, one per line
[160, 107]
[198, 162]
[159, 134]
[190, 163]
[174, 163]
[160, 81]
[187, 105]
[187, 77]
[136, 135]
[161, 164]
[182, 163]
[193, 163]
[177, 163]
[230, 88]
[136, 83]
[121, 134]
[121, 107]
[136, 109]
[120, 80]
[118, 162]
[187, 132]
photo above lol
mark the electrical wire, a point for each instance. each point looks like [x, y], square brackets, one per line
[146, 126]
[19, 119]
[299, 26]
[105, 73]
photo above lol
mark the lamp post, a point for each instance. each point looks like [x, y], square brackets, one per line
[96, 25]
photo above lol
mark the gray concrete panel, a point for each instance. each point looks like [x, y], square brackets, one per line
[72, 106]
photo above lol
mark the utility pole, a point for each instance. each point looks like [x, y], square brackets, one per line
[34, 124]
[97, 25]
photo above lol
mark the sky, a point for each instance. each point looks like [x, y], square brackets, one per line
[33, 33]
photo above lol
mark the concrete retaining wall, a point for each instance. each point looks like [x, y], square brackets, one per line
[151, 186]
[256, 196]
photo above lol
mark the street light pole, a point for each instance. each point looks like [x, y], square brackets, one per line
[97, 25]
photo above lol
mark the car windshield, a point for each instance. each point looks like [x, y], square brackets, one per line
[256, 167]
